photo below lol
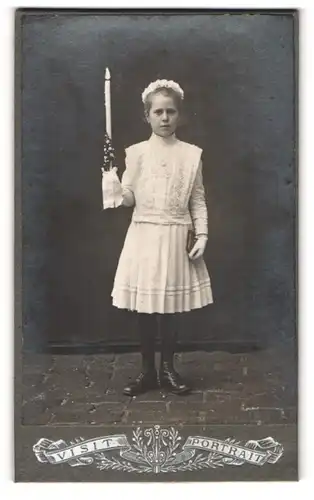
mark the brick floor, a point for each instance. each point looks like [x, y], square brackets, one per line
[257, 387]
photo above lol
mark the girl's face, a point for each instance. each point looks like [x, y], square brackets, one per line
[163, 115]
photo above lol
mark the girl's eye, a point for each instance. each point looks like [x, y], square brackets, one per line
[170, 111]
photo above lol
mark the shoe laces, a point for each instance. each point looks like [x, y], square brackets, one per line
[172, 375]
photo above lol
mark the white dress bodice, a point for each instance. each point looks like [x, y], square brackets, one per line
[162, 178]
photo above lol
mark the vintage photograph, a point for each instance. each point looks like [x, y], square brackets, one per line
[156, 195]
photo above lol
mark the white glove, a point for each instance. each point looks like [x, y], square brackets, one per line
[111, 189]
[199, 248]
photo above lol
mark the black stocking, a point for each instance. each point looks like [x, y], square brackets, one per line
[168, 334]
[168, 377]
[147, 327]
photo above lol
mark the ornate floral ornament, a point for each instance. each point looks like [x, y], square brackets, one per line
[157, 84]
[157, 450]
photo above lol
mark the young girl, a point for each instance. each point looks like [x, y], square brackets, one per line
[156, 275]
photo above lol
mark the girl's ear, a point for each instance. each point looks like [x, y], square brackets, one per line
[146, 116]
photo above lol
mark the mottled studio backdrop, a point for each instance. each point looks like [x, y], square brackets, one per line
[237, 72]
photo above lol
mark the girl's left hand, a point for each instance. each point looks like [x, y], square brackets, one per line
[199, 248]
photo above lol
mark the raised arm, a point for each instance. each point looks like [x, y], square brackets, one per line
[127, 181]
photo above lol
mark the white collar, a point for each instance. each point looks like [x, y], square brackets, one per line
[157, 139]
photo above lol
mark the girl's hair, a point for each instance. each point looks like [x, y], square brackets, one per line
[169, 92]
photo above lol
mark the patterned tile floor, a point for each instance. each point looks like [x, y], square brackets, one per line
[250, 388]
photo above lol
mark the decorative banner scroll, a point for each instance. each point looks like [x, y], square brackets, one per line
[157, 450]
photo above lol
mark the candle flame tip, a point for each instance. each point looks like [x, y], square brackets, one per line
[107, 74]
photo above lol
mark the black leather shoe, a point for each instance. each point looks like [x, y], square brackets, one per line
[170, 380]
[143, 383]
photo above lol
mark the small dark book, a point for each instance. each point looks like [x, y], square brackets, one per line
[191, 240]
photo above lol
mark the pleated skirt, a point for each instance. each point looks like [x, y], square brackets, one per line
[155, 274]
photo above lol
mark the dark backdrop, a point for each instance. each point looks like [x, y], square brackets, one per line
[238, 72]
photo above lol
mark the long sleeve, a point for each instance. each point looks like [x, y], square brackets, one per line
[127, 181]
[197, 204]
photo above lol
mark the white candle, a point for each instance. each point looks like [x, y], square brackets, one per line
[108, 102]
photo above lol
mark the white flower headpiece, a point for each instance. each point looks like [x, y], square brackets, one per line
[170, 84]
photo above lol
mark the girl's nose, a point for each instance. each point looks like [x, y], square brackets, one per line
[165, 116]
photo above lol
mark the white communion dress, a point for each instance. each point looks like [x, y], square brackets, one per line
[163, 181]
